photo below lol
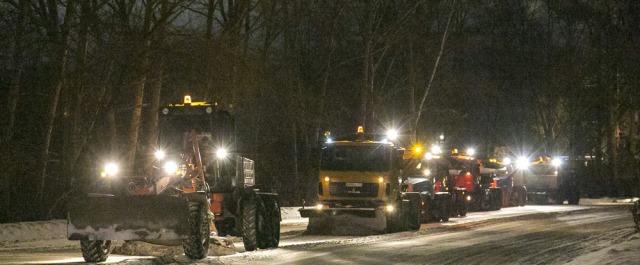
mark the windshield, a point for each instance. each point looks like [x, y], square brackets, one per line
[356, 158]
[217, 128]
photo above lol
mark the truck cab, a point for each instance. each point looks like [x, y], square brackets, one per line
[362, 178]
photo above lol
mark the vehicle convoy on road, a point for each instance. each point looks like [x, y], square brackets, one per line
[360, 177]
[191, 185]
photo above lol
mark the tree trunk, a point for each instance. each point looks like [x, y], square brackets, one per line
[140, 79]
[16, 81]
[296, 173]
[77, 131]
[112, 129]
[435, 66]
[413, 86]
[154, 107]
[364, 90]
[136, 115]
[62, 53]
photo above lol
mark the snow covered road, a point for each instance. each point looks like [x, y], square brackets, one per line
[521, 235]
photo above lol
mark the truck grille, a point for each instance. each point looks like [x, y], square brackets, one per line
[340, 189]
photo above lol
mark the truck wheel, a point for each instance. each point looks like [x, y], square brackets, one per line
[523, 197]
[95, 250]
[249, 225]
[495, 200]
[445, 209]
[319, 225]
[634, 212]
[269, 218]
[485, 204]
[463, 209]
[395, 220]
[574, 198]
[196, 246]
[415, 214]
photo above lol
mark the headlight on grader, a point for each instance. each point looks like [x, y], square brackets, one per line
[110, 169]
[170, 167]
[159, 154]
[389, 208]
[222, 153]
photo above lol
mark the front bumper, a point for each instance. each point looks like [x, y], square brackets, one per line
[362, 212]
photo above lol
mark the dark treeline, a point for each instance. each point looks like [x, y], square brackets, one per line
[81, 82]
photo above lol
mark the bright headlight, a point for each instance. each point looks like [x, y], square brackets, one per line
[471, 151]
[427, 172]
[506, 161]
[556, 162]
[159, 154]
[436, 149]
[170, 167]
[222, 153]
[111, 169]
[392, 134]
[319, 206]
[389, 208]
[522, 163]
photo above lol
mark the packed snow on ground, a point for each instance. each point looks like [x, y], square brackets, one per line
[218, 246]
[627, 252]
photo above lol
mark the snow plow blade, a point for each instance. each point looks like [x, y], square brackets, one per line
[145, 218]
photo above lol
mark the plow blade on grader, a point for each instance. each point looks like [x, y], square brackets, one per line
[144, 218]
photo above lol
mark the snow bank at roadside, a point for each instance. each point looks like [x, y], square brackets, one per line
[31, 231]
[290, 215]
[57, 229]
[606, 201]
[627, 252]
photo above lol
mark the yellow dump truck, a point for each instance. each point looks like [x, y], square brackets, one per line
[362, 178]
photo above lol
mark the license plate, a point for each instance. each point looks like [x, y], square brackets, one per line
[353, 184]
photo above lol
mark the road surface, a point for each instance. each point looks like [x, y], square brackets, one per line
[524, 235]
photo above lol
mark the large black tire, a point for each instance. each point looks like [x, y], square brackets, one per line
[495, 198]
[392, 223]
[250, 224]
[95, 250]
[415, 208]
[445, 212]
[523, 196]
[574, 198]
[397, 220]
[464, 210]
[269, 225]
[635, 212]
[196, 246]
[320, 225]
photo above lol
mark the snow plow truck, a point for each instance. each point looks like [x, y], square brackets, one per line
[550, 179]
[360, 180]
[191, 185]
[480, 191]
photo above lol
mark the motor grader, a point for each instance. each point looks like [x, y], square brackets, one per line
[193, 184]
